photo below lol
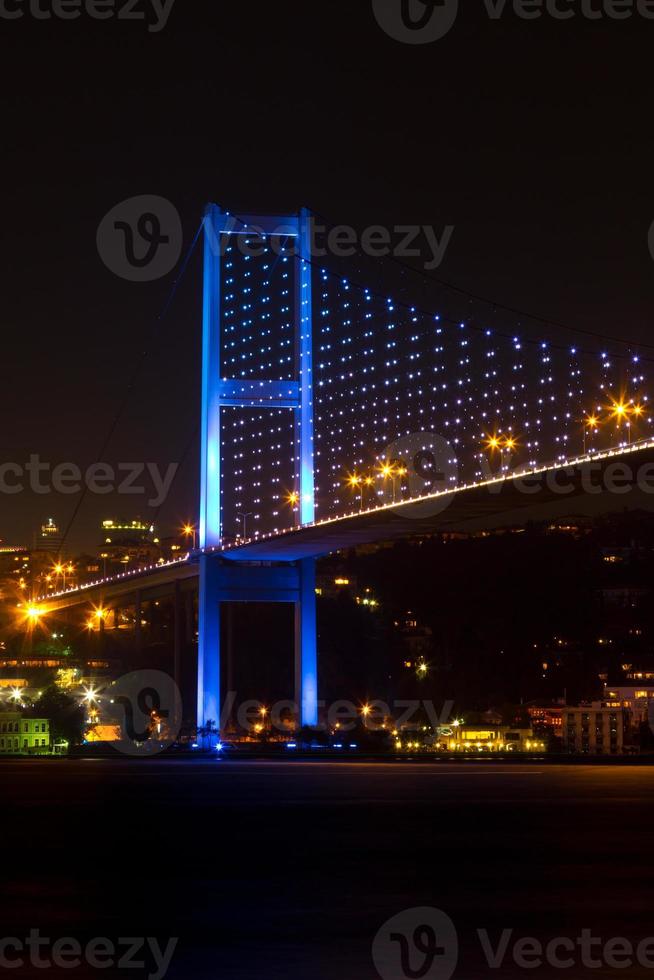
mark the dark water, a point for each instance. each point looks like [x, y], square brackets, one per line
[289, 870]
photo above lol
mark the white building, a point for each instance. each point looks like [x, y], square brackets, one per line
[636, 698]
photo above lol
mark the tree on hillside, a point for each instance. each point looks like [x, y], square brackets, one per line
[67, 717]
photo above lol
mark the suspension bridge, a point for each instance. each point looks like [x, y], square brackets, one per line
[333, 416]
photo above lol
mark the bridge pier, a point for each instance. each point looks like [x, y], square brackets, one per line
[177, 634]
[138, 622]
[228, 581]
[306, 655]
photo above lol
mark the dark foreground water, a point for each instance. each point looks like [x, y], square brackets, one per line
[290, 870]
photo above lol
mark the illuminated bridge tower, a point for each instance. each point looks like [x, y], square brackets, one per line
[228, 577]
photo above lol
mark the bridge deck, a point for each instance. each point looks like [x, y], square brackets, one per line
[515, 498]
[512, 499]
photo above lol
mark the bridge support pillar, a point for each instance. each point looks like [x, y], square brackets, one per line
[138, 623]
[177, 634]
[209, 643]
[228, 581]
[306, 656]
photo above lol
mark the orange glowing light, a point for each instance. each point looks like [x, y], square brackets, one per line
[387, 470]
[619, 410]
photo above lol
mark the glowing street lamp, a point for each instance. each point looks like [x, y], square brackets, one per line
[388, 470]
[355, 483]
[620, 412]
[493, 444]
[190, 531]
[591, 425]
[244, 518]
[32, 615]
[98, 617]
[638, 412]
[368, 482]
[402, 471]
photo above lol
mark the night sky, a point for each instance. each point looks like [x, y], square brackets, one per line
[533, 138]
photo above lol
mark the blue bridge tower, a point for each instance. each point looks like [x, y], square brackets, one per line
[224, 576]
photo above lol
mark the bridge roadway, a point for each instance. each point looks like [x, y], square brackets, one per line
[513, 498]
